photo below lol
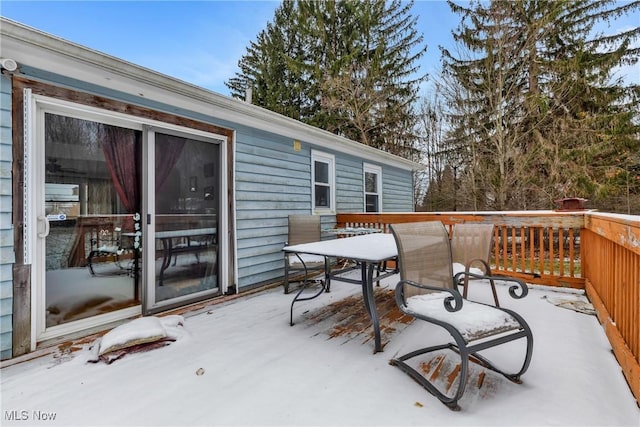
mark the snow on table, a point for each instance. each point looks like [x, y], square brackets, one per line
[368, 247]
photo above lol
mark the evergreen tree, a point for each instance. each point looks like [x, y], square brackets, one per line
[485, 95]
[349, 67]
[538, 106]
[270, 68]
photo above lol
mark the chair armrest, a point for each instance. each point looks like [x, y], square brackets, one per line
[455, 295]
[517, 291]
[484, 263]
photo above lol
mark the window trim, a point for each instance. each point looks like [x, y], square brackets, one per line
[319, 156]
[371, 168]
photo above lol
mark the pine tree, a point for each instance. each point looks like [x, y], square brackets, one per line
[270, 68]
[485, 95]
[349, 67]
[538, 107]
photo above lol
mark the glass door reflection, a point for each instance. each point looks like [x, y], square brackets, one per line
[91, 202]
[186, 221]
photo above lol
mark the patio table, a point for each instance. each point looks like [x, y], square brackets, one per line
[369, 251]
[170, 250]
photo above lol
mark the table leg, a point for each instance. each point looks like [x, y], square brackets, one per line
[370, 303]
[167, 249]
[327, 274]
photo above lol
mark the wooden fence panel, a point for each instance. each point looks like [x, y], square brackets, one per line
[530, 245]
[611, 258]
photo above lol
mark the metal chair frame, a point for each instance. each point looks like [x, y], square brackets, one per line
[422, 247]
[302, 229]
[471, 246]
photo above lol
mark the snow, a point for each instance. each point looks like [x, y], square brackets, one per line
[472, 320]
[367, 247]
[139, 331]
[459, 268]
[239, 363]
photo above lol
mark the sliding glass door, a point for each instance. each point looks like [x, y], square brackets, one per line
[183, 212]
[87, 221]
[124, 218]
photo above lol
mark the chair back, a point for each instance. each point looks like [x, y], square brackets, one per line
[303, 229]
[424, 255]
[471, 241]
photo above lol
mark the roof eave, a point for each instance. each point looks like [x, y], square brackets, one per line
[38, 49]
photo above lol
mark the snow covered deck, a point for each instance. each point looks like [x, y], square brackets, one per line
[240, 363]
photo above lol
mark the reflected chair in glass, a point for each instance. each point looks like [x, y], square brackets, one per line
[427, 291]
[109, 255]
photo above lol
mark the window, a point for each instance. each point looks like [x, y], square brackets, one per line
[322, 176]
[372, 187]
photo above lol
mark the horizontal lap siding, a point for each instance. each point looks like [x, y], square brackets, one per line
[397, 190]
[273, 181]
[6, 232]
[349, 186]
[397, 187]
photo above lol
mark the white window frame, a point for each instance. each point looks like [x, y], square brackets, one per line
[330, 160]
[369, 168]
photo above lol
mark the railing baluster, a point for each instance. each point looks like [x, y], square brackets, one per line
[572, 239]
[497, 242]
[561, 250]
[552, 240]
[514, 252]
[522, 249]
[505, 261]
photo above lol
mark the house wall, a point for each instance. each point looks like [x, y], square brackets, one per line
[6, 230]
[272, 181]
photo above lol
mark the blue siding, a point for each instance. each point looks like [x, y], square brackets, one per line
[272, 181]
[397, 190]
[349, 186]
[6, 230]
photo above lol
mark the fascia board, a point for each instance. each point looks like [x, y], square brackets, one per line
[40, 50]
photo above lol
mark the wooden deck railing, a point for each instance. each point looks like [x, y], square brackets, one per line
[586, 250]
[541, 247]
[611, 260]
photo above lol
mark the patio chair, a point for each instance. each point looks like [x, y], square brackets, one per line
[302, 229]
[109, 255]
[470, 250]
[427, 291]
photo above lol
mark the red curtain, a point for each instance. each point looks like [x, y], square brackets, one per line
[121, 149]
[168, 150]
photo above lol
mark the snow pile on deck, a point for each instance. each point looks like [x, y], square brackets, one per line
[142, 334]
[577, 303]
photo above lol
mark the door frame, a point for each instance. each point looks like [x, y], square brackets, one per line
[149, 303]
[36, 97]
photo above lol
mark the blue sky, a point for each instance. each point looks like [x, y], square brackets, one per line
[199, 42]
